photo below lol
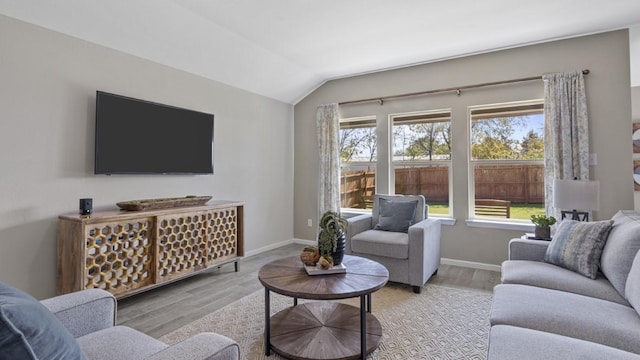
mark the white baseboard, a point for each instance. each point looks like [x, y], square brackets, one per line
[304, 242]
[269, 247]
[470, 264]
[279, 244]
[462, 263]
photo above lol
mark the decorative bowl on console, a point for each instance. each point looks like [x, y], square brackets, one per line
[163, 203]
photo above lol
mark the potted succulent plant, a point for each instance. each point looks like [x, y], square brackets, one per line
[332, 236]
[543, 225]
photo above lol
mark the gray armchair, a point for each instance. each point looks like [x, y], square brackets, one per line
[81, 325]
[90, 315]
[399, 235]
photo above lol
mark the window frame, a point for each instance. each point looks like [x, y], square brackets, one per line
[533, 106]
[373, 164]
[415, 117]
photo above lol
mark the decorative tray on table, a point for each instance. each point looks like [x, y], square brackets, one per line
[317, 270]
[151, 204]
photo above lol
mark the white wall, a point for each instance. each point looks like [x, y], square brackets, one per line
[609, 106]
[47, 105]
[634, 53]
[635, 117]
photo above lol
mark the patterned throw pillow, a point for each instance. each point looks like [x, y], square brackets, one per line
[577, 246]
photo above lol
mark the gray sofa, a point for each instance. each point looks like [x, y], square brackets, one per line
[545, 311]
[399, 236]
[81, 325]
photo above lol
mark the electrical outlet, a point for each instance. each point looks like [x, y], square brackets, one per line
[309, 223]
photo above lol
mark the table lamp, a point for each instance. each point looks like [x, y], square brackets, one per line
[576, 195]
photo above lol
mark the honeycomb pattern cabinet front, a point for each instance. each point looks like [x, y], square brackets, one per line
[222, 242]
[129, 252]
[119, 256]
[181, 240]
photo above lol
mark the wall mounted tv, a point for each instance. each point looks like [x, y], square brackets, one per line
[142, 137]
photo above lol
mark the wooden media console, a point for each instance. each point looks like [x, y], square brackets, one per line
[127, 252]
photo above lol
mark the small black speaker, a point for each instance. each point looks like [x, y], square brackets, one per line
[86, 206]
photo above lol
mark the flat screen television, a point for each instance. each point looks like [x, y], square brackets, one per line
[135, 136]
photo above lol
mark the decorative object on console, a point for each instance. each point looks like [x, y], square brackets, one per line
[331, 240]
[86, 206]
[543, 226]
[577, 195]
[163, 203]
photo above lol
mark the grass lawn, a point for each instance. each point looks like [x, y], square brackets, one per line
[518, 211]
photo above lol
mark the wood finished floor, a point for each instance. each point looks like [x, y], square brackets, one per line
[159, 311]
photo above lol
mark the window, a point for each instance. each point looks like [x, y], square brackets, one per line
[507, 160]
[421, 145]
[358, 149]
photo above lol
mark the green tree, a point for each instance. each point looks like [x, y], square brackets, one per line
[357, 141]
[348, 144]
[532, 147]
[434, 140]
[492, 138]
[492, 149]
[445, 132]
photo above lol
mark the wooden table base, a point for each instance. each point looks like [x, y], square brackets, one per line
[322, 330]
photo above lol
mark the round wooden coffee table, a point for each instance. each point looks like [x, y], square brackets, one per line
[322, 330]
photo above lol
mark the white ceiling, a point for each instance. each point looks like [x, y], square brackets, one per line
[284, 49]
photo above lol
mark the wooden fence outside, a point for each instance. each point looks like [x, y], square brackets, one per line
[357, 189]
[521, 183]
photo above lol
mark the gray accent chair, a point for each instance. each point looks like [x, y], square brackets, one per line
[89, 315]
[544, 311]
[411, 257]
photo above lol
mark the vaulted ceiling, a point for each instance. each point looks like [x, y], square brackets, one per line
[284, 49]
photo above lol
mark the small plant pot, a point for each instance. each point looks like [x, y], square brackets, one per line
[543, 232]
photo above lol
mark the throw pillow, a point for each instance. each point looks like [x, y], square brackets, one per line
[29, 331]
[396, 216]
[577, 246]
[622, 245]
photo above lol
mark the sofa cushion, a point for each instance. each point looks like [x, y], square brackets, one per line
[381, 243]
[632, 288]
[622, 245]
[577, 246]
[395, 216]
[29, 331]
[131, 344]
[510, 342]
[625, 216]
[549, 276]
[567, 314]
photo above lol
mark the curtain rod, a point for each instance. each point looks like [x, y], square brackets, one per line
[457, 89]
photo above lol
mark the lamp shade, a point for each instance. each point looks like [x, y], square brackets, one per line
[576, 194]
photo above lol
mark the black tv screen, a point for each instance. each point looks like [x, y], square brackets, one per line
[142, 137]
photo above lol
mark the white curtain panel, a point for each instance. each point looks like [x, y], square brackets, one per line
[328, 123]
[566, 135]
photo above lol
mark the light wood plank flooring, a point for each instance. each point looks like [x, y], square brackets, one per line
[159, 311]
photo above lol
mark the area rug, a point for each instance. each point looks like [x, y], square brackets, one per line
[438, 323]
